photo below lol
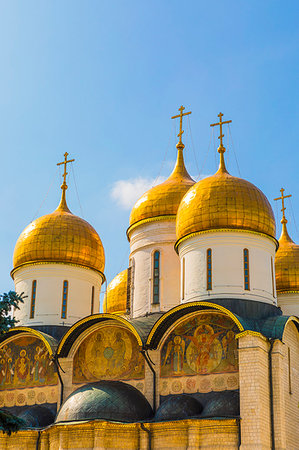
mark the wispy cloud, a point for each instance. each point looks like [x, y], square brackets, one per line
[126, 192]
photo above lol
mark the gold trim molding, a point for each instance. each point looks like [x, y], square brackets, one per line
[224, 230]
[99, 316]
[38, 263]
[150, 219]
[213, 306]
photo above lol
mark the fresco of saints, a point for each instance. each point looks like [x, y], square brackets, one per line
[22, 368]
[229, 345]
[175, 352]
[204, 351]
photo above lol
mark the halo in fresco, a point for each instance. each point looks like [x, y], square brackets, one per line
[25, 362]
[109, 353]
[203, 344]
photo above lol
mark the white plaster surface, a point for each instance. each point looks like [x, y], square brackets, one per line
[227, 266]
[48, 302]
[145, 239]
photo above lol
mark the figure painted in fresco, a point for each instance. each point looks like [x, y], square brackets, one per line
[119, 350]
[205, 351]
[25, 362]
[175, 354]
[203, 344]
[229, 345]
[22, 368]
[109, 353]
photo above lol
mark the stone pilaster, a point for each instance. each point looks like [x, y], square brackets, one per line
[278, 383]
[66, 373]
[254, 391]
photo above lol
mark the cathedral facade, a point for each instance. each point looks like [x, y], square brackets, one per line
[198, 342]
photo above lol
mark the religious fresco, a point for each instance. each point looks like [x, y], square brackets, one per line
[201, 345]
[25, 362]
[110, 353]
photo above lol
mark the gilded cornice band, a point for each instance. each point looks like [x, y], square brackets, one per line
[224, 230]
[38, 263]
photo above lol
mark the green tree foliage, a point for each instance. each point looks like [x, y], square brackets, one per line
[8, 422]
[8, 301]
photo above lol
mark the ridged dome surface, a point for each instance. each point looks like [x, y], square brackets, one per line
[60, 237]
[108, 400]
[115, 300]
[224, 201]
[164, 199]
[287, 263]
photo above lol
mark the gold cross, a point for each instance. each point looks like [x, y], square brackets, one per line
[282, 201]
[181, 109]
[220, 123]
[65, 162]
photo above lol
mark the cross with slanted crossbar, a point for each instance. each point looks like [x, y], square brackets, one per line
[282, 201]
[65, 162]
[220, 123]
[181, 109]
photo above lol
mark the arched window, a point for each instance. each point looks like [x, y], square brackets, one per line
[64, 299]
[130, 284]
[92, 300]
[183, 278]
[33, 297]
[156, 278]
[209, 269]
[246, 269]
[272, 275]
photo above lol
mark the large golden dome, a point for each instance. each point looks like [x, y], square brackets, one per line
[60, 237]
[224, 202]
[115, 300]
[162, 201]
[287, 263]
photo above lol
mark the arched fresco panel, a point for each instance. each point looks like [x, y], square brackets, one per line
[200, 355]
[109, 353]
[27, 373]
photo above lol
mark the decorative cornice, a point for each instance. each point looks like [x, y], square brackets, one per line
[251, 333]
[94, 317]
[150, 219]
[30, 331]
[224, 230]
[213, 306]
[287, 292]
[39, 263]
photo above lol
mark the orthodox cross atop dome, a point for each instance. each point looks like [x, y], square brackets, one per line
[283, 220]
[181, 115]
[65, 162]
[220, 123]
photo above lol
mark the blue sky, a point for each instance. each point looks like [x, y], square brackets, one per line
[101, 79]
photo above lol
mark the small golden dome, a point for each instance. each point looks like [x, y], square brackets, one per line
[164, 199]
[287, 263]
[224, 201]
[60, 237]
[115, 300]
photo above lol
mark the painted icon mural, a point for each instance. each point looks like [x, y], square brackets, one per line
[25, 362]
[109, 353]
[203, 344]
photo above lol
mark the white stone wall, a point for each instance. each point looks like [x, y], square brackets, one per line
[227, 266]
[48, 302]
[289, 304]
[145, 240]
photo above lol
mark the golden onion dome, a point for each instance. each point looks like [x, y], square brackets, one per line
[162, 201]
[60, 237]
[222, 201]
[115, 300]
[287, 263]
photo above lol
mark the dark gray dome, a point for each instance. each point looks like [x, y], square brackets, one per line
[178, 407]
[37, 416]
[108, 400]
[226, 404]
